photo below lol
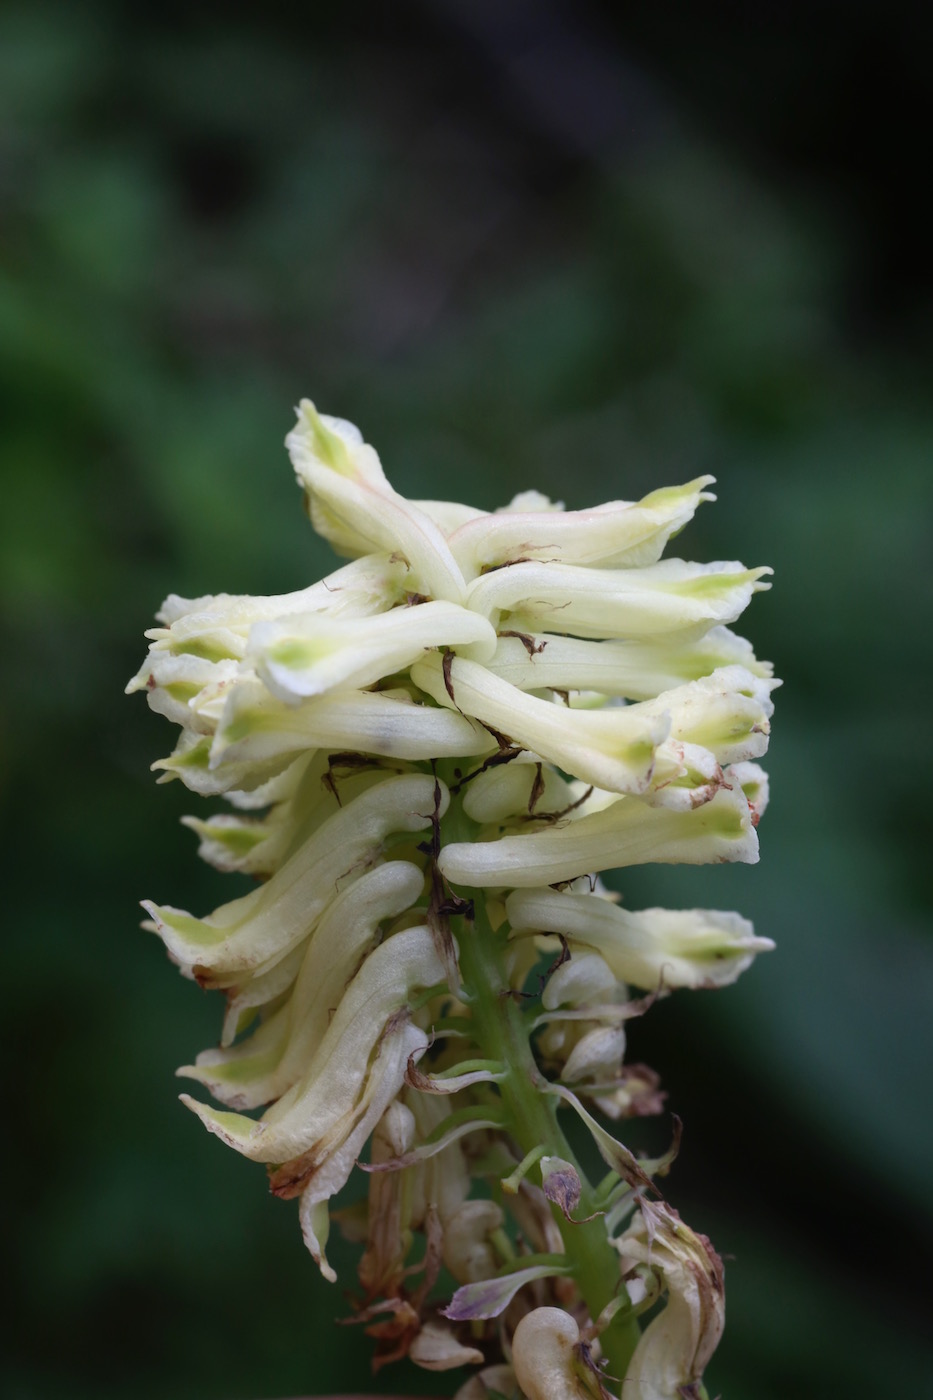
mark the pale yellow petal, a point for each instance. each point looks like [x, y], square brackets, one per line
[626, 832]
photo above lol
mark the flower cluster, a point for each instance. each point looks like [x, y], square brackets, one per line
[428, 757]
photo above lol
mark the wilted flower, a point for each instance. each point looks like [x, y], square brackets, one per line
[673, 1351]
[423, 756]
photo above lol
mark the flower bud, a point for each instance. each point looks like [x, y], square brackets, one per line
[549, 1358]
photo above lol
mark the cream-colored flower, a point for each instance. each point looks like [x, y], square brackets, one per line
[446, 739]
[634, 667]
[353, 506]
[616, 535]
[622, 832]
[261, 1068]
[258, 929]
[653, 949]
[671, 596]
[308, 654]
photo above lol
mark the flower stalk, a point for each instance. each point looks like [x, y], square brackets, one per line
[428, 758]
[501, 1027]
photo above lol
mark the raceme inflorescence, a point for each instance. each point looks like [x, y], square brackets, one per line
[428, 758]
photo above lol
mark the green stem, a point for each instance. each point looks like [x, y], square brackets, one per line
[502, 1034]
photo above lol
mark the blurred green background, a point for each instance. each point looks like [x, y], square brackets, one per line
[589, 249]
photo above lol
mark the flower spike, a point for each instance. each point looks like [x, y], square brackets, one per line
[426, 760]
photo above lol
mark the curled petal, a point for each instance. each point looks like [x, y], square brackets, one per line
[353, 505]
[674, 1350]
[173, 683]
[191, 762]
[325, 1103]
[297, 803]
[726, 713]
[632, 1091]
[270, 1061]
[261, 927]
[324, 1169]
[297, 800]
[689, 775]
[753, 781]
[458, 1077]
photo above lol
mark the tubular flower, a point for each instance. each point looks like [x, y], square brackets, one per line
[427, 758]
